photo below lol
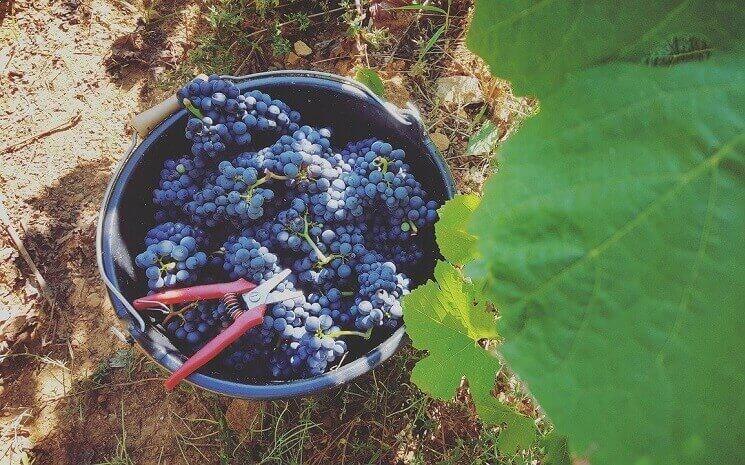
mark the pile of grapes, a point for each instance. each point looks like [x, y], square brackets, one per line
[347, 223]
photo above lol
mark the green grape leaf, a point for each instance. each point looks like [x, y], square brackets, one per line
[370, 78]
[537, 43]
[679, 50]
[456, 244]
[613, 242]
[443, 318]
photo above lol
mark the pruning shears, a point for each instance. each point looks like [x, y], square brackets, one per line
[256, 297]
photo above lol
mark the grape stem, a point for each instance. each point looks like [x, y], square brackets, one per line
[413, 228]
[165, 266]
[180, 313]
[250, 191]
[340, 333]
[322, 263]
[322, 259]
[192, 109]
[382, 163]
[271, 175]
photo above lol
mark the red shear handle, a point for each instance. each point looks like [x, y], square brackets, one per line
[243, 323]
[190, 294]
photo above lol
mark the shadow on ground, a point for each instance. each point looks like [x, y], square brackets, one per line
[133, 55]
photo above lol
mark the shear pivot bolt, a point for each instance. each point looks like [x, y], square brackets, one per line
[254, 297]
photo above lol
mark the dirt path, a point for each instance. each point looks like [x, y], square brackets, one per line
[52, 66]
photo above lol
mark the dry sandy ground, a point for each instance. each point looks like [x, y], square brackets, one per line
[52, 73]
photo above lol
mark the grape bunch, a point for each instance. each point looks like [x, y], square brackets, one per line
[349, 223]
[196, 324]
[179, 181]
[173, 256]
[378, 298]
[246, 258]
[223, 117]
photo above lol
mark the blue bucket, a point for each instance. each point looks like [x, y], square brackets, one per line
[353, 112]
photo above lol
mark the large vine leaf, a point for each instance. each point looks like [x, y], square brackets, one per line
[456, 244]
[613, 242]
[446, 319]
[536, 43]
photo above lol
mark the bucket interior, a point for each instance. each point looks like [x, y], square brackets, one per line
[351, 114]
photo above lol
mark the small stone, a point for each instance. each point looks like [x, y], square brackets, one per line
[302, 49]
[6, 253]
[94, 300]
[30, 290]
[440, 140]
[459, 90]
[291, 58]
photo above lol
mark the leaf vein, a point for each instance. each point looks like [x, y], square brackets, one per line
[671, 14]
[627, 228]
[591, 122]
[703, 239]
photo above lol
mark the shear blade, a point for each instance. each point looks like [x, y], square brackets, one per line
[277, 296]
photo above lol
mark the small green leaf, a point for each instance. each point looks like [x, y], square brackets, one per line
[370, 78]
[457, 245]
[484, 141]
[445, 319]
[431, 42]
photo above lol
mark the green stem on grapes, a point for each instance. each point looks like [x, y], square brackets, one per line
[250, 191]
[347, 293]
[413, 227]
[323, 259]
[382, 163]
[271, 175]
[340, 333]
[322, 263]
[165, 266]
[192, 109]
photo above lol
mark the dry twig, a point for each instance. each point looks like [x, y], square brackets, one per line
[45, 290]
[60, 127]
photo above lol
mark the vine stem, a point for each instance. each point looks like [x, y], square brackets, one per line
[271, 175]
[250, 192]
[340, 333]
[306, 235]
[192, 109]
[382, 162]
[413, 228]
